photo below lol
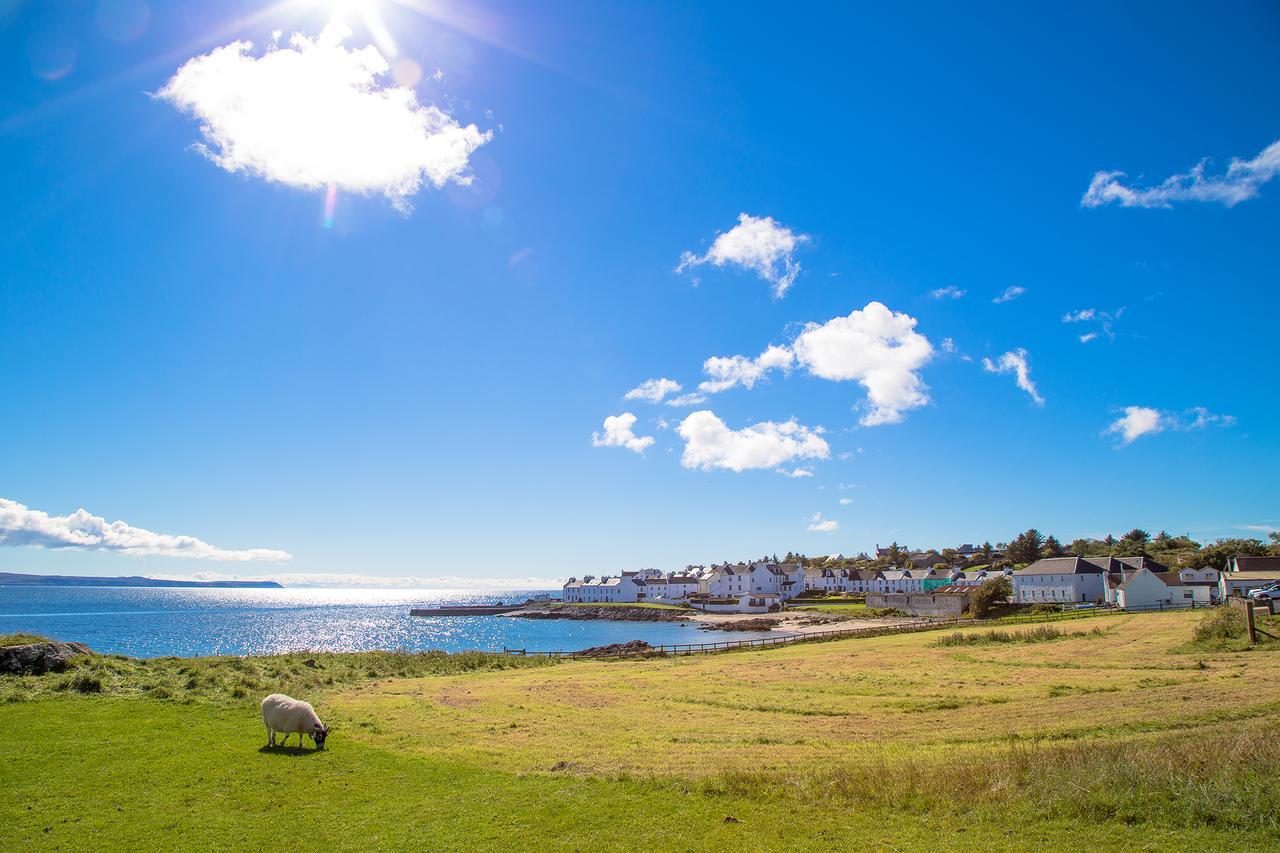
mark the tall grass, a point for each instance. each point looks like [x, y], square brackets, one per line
[1039, 634]
[1195, 778]
[21, 639]
[248, 679]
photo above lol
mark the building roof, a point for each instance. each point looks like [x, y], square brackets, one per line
[1062, 566]
[1167, 578]
[1251, 576]
[1255, 564]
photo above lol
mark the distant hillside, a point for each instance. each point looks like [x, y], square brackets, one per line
[11, 579]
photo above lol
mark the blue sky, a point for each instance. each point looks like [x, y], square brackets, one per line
[413, 391]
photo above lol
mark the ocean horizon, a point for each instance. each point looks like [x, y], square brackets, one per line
[148, 622]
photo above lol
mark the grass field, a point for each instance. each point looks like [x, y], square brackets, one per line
[1124, 732]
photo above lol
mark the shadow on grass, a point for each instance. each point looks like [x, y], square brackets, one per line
[291, 751]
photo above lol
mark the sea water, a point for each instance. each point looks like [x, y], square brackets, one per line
[157, 621]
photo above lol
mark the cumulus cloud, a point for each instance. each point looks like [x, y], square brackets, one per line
[875, 347]
[729, 371]
[20, 525]
[795, 473]
[948, 292]
[1009, 294]
[1241, 182]
[314, 114]
[1138, 421]
[1015, 362]
[846, 501]
[818, 524]
[687, 400]
[758, 244]
[618, 433]
[653, 390]
[1088, 336]
[710, 444]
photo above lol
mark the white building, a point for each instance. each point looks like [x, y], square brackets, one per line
[1245, 573]
[783, 580]
[625, 588]
[1060, 580]
[1148, 589]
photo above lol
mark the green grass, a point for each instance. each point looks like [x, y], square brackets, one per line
[21, 639]
[883, 743]
[236, 679]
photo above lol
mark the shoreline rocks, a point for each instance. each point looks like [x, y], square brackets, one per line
[614, 613]
[634, 647]
[761, 624]
[39, 658]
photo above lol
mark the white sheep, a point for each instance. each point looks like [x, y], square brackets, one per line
[291, 716]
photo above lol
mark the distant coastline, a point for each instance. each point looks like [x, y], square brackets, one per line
[14, 579]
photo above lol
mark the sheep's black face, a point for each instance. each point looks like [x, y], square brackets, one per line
[318, 736]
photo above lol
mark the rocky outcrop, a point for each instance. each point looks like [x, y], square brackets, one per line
[742, 625]
[613, 650]
[39, 658]
[619, 613]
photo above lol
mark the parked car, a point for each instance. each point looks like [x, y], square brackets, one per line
[1270, 592]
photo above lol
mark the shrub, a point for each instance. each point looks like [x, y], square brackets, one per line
[1039, 609]
[986, 596]
[1226, 623]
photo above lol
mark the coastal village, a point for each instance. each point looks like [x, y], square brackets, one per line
[933, 583]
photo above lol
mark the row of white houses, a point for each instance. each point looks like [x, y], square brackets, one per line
[1137, 582]
[765, 582]
[1129, 582]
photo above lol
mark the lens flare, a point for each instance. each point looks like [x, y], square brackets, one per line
[330, 202]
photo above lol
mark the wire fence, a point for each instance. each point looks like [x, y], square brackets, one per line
[628, 650]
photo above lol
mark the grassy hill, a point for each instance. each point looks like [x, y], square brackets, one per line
[1112, 732]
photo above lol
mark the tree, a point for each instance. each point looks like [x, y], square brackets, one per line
[986, 551]
[1220, 553]
[986, 596]
[1137, 536]
[1025, 548]
[1051, 548]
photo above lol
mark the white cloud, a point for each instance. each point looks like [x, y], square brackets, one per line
[1009, 294]
[948, 292]
[653, 390]
[687, 400]
[1103, 319]
[617, 433]
[758, 244]
[729, 371]
[873, 346]
[1241, 182]
[315, 114]
[1204, 418]
[846, 501]
[710, 444]
[1138, 421]
[1015, 362]
[20, 525]
[948, 345]
[795, 473]
[876, 347]
[818, 524]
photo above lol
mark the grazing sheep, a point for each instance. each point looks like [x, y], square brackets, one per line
[291, 716]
